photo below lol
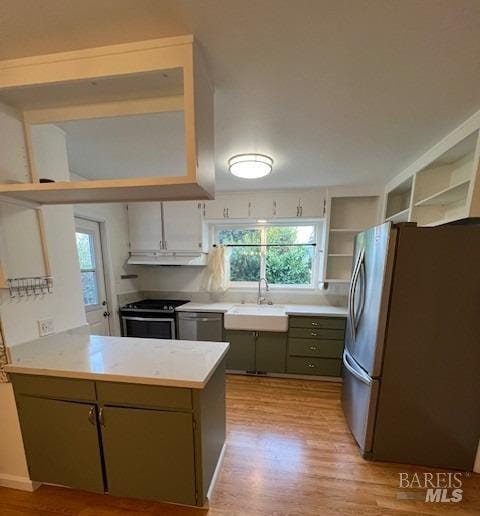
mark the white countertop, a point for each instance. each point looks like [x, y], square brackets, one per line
[205, 307]
[306, 310]
[315, 310]
[175, 363]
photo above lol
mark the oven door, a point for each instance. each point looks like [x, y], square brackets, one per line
[148, 327]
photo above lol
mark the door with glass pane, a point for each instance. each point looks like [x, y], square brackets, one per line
[89, 248]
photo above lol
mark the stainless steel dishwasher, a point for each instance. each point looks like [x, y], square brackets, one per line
[200, 326]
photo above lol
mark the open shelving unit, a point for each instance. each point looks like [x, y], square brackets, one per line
[442, 188]
[347, 217]
[398, 202]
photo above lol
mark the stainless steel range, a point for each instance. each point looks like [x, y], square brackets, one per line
[150, 318]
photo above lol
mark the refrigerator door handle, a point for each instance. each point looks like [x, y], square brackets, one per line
[363, 287]
[354, 370]
[353, 288]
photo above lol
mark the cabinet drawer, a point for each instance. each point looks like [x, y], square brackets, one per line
[333, 323]
[53, 387]
[305, 333]
[144, 395]
[315, 366]
[315, 348]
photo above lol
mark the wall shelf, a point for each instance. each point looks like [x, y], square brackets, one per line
[400, 216]
[346, 230]
[348, 215]
[398, 202]
[450, 195]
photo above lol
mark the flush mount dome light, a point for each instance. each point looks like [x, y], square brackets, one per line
[250, 166]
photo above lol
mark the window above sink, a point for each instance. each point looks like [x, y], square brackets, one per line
[286, 254]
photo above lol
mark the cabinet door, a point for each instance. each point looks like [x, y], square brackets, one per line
[271, 352]
[145, 226]
[215, 209]
[149, 454]
[262, 206]
[61, 442]
[312, 203]
[241, 355]
[182, 222]
[286, 205]
[238, 206]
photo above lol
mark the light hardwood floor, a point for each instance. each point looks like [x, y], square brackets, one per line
[289, 452]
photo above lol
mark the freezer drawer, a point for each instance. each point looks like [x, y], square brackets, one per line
[359, 400]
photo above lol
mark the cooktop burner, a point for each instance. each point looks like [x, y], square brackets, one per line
[162, 305]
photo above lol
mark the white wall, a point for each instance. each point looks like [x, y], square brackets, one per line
[19, 316]
[187, 283]
[114, 225]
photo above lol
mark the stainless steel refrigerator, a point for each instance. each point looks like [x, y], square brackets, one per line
[411, 364]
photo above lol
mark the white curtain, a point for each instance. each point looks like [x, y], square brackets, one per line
[216, 277]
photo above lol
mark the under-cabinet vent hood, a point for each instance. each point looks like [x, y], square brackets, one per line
[192, 259]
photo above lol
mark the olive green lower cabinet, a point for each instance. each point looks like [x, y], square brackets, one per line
[256, 352]
[61, 442]
[315, 345]
[134, 440]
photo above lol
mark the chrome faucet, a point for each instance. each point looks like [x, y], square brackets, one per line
[260, 298]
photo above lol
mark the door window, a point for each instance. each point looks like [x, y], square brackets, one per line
[88, 267]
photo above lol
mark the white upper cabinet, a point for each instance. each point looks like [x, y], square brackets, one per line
[265, 204]
[231, 206]
[261, 206]
[166, 227]
[312, 203]
[286, 204]
[145, 226]
[215, 209]
[183, 227]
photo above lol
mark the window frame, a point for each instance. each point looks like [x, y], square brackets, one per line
[92, 239]
[317, 261]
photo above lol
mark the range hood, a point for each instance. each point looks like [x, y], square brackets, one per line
[178, 258]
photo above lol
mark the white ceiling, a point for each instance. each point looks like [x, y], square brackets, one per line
[336, 91]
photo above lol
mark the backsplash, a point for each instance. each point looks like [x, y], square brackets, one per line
[336, 296]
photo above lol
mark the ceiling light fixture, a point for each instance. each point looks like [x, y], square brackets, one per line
[250, 166]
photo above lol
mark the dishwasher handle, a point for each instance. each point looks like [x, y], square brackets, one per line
[202, 318]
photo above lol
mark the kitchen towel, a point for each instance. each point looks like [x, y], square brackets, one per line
[3, 360]
[215, 277]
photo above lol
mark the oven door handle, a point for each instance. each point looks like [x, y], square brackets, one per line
[147, 319]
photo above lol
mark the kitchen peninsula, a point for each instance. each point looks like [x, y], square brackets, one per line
[142, 418]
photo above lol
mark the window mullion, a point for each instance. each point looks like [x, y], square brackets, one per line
[263, 252]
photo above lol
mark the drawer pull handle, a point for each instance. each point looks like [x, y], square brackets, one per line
[311, 365]
[315, 324]
[91, 415]
[313, 348]
[313, 334]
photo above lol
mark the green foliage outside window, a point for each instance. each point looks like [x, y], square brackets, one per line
[86, 257]
[283, 263]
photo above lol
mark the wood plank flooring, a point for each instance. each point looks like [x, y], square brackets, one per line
[289, 452]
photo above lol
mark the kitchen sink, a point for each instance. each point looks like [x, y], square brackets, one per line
[256, 318]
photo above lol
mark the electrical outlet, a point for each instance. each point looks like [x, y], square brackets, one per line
[46, 327]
